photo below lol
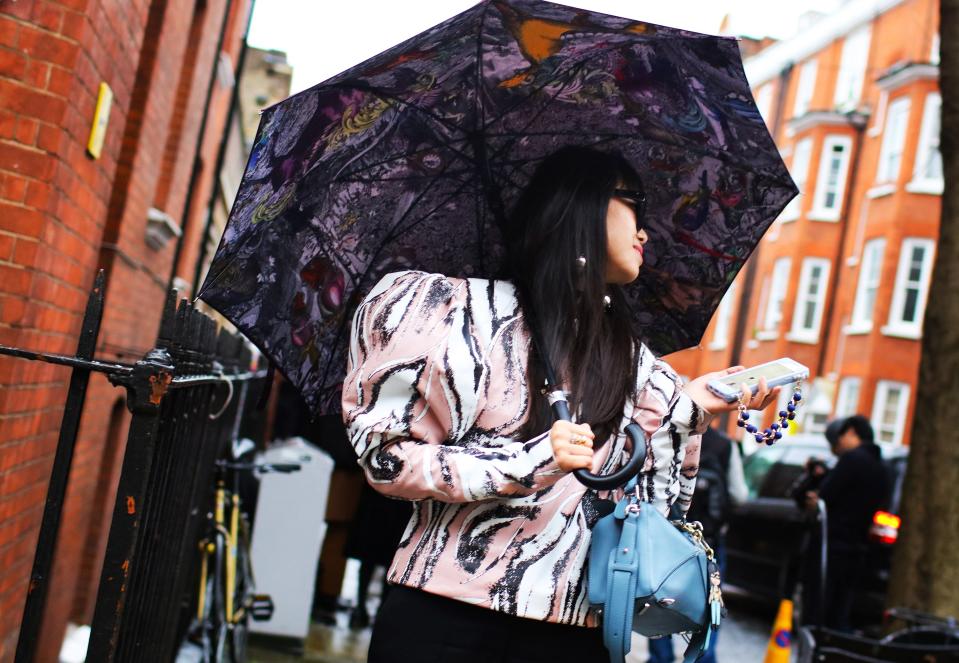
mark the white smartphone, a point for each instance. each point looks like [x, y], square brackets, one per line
[777, 373]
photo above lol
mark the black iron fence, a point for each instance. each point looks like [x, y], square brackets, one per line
[188, 396]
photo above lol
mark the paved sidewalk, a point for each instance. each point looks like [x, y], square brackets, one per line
[743, 638]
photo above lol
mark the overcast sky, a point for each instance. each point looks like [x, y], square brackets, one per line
[324, 37]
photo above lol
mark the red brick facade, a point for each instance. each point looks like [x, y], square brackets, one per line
[64, 214]
[867, 201]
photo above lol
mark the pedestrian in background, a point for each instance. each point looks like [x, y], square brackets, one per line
[853, 491]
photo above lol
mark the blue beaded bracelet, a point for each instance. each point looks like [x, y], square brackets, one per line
[775, 431]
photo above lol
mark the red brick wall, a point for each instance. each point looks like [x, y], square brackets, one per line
[63, 214]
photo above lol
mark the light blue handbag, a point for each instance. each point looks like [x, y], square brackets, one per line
[653, 576]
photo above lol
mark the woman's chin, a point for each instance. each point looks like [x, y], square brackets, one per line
[624, 277]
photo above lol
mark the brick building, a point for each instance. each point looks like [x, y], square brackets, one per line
[839, 282]
[138, 212]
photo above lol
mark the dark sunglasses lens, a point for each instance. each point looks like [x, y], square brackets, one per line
[635, 198]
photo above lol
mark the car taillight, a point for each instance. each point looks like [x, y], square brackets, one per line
[885, 527]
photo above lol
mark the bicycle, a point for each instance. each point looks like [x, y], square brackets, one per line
[226, 598]
[920, 628]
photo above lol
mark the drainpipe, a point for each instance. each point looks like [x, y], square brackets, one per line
[859, 122]
[221, 156]
[739, 333]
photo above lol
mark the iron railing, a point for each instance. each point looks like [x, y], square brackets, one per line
[181, 394]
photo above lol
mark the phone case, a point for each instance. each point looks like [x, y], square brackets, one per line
[780, 381]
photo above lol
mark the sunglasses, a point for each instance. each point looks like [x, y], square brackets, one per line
[637, 199]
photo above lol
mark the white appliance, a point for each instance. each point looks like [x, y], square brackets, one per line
[288, 533]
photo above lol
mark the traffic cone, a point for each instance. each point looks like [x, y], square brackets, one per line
[780, 641]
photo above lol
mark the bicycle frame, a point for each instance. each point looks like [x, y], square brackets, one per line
[231, 536]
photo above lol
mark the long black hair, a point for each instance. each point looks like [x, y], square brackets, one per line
[560, 217]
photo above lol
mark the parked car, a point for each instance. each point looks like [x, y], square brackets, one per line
[765, 534]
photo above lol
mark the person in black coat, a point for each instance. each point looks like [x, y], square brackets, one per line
[853, 491]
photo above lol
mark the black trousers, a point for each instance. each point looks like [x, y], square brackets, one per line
[417, 627]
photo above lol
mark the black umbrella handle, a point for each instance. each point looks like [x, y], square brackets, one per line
[605, 481]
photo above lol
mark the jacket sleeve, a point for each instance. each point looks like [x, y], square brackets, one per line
[412, 394]
[673, 425]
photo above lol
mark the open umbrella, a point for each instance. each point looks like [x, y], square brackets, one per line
[412, 158]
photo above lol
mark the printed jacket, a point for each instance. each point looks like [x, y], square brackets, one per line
[434, 396]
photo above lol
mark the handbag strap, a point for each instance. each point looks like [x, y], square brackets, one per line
[621, 591]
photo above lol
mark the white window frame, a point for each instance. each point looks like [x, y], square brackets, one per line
[804, 297]
[823, 187]
[928, 145]
[870, 276]
[852, 68]
[893, 141]
[724, 316]
[806, 87]
[778, 286]
[892, 432]
[847, 400]
[801, 159]
[896, 326]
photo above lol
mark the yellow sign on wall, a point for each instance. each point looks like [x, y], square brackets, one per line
[101, 117]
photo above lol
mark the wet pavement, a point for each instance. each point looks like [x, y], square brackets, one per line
[743, 637]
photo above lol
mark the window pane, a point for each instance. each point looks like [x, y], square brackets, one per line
[911, 282]
[869, 302]
[852, 67]
[893, 139]
[933, 168]
[799, 169]
[848, 400]
[928, 157]
[910, 305]
[777, 293]
[868, 281]
[915, 264]
[832, 177]
[891, 410]
[815, 276]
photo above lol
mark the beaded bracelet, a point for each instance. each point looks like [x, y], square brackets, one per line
[775, 431]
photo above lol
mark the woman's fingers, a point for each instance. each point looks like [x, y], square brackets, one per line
[572, 445]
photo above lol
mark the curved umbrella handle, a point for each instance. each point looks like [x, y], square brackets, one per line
[605, 481]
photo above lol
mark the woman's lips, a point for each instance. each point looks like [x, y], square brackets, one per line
[639, 249]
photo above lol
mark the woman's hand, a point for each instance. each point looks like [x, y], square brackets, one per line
[572, 445]
[713, 404]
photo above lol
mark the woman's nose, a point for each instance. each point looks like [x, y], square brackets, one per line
[642, 236]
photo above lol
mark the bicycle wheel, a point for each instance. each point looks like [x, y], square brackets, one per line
[215, 624]
[242, 596]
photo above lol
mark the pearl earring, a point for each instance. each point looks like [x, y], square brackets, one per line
[581, 262]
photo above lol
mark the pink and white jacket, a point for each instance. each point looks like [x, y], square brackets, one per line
[434, 396]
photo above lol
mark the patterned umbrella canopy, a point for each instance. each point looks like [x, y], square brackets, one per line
[408, 159]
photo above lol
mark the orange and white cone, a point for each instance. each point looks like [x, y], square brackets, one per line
[780, 641]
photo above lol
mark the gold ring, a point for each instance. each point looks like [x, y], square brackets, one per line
[579, 439]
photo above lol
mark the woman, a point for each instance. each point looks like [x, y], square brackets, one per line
[443, 405]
